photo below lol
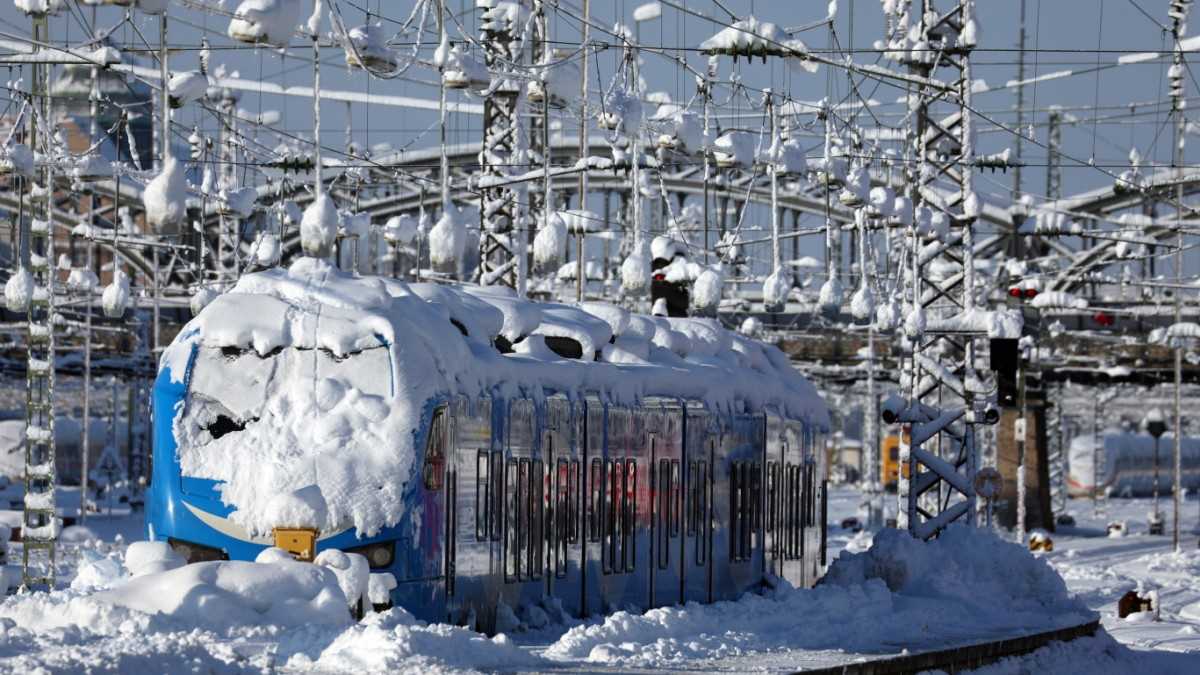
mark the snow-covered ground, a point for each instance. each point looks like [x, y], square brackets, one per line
[125, 609]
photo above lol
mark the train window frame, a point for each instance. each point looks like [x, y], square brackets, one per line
[537, 519]
[433, 471]
[483, 498]
[595, 507]
[663, 512]
[676, 495]
[512, 520]
[608, 539]
[693, 486]
[704, 523]
[733, 510]
[559, 517]
[629, 525]
[497, 514]
[573, 481]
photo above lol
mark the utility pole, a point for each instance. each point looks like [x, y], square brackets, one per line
[939, 366]
[1178, 13]
[39, 525]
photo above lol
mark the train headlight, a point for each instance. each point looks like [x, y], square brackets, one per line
[379, 556]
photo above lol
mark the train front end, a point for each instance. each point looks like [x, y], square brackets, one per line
[278, 422]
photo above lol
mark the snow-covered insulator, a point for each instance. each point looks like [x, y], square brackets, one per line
[862, 303]
[751, 37]
[1175, 76]
[1129, 181]
[549, 244]
[830, 296]
[831, 171]
[238, 203]
[448, 239]
[881, 201]
[608, 120]
[195, 144]
[186, 87]
[18, 159]
[635, 272]
[82, 279]
[18, 290]
[707, 290]
[902, 211]
[734, 149]
[751, 327]
[462, 71]
[1178, 10]
[265, 21]
[64, 262]
[558, 78]
[788, 157]
[776, 289]
[400, 230]
[887, 316]
[857, 188]
[115, 299]
[266, 249]
[686, 132]
[366, 48]
[91, 168]
[40, 7]
[165, 197]
[319, 226]
[201, 299]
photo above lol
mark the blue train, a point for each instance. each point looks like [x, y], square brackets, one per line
[544, 489]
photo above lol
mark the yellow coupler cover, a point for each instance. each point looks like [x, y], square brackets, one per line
[300, 542]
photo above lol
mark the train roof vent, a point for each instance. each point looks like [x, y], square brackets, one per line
[568, 348]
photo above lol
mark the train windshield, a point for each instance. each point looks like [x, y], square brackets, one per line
[232, 388]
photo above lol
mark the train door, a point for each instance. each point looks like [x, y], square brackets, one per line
[473, 522]
[594, 508]
[524, 512]
[421, 552]
[624, 525]
[790, 496]
[698, 450]
[772, 532]
[738, 551]
[665, 438]
[560, 447]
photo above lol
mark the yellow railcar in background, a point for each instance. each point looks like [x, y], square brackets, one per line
[890, 460]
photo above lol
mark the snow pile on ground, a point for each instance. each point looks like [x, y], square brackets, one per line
[966, 586]
[396, 642]
[151, 613]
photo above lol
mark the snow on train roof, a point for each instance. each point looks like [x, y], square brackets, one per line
[321, 419]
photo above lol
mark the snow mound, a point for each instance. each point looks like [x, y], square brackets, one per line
[901, 594]
[235, 593]
[394, 641]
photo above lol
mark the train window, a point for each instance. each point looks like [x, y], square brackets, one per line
[756, 498]
[792, 524]
[693, 503]
[483, 463]
[746, 519]
[702, 519]
[523, 504]
[612, 492]
[572, 532]
[513, 520]
[495, 514]
[733, 510]
[537, 525]
[595, 507]
[435, 451]
[562, 500]
[664, 512]
[628, 535]
[676, 488]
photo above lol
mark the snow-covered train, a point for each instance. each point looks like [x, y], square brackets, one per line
[500, 459]
[1128, 464]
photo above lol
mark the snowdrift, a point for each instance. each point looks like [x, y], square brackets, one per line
[900, 594]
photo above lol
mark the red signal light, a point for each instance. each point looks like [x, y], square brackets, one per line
[1031, 293]
[1014, 292]
[660, 277]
